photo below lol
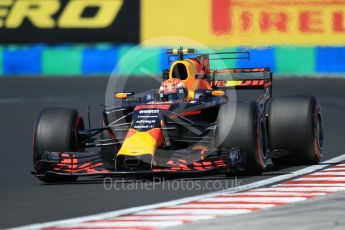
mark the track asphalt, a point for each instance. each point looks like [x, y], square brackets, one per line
[25, 200]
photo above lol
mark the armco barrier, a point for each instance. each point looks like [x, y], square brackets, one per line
[104, 59]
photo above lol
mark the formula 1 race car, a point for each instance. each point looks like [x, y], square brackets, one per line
[199, 121]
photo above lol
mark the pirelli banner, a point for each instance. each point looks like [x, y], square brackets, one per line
[246, 22]
[292, 37]
[215, 23]
[58, 21]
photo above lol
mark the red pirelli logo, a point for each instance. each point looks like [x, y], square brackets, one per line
[247, 22]
[275, 15]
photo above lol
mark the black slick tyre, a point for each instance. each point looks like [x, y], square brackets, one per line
[295, 130]
[56, 130]
[242, 125]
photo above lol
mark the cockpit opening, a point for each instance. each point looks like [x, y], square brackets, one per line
[180, 71]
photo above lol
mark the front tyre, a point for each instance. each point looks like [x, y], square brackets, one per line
[242, 125]
[56, 130]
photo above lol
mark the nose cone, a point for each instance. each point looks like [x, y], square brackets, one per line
[139, 143]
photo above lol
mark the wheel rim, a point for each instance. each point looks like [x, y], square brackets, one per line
[262, 147]
[78, 140]
[319, 132]
[263, 142]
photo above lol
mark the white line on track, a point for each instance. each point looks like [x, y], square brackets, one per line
[150, 208]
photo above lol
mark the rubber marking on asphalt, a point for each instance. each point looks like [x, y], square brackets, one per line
[297, 186]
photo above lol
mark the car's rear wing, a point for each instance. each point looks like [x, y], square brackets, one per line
[243, 78]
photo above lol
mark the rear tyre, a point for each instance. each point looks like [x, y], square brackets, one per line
[56, 130]
[295, 130]
[247, 131]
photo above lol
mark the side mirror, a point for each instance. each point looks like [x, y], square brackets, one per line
[200, 76]
[218, 93]
[165, 74]
[123, 95]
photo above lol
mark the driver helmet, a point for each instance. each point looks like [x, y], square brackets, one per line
[172, 90]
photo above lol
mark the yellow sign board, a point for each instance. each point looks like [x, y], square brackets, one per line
[42, 14]
[244, 22]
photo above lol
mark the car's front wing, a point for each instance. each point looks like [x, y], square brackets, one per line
[91, 164]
